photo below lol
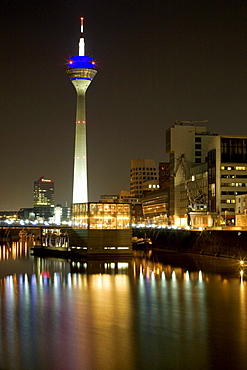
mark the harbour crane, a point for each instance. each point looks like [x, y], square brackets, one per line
[198, 202]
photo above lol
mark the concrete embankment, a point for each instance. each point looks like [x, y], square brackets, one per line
[229, 243]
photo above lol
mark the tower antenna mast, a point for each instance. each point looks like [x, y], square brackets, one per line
[81, 42]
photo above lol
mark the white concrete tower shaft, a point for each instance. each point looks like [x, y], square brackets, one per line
[81, 74]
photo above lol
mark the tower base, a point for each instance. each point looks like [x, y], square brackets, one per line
[102, 242]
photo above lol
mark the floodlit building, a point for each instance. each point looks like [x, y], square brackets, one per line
[143, 177]
[103, 228]
[217, 168]
[227, 175]
[164, 175]
[241, 210]
[155, 206]
[189, 139]
[43, 197]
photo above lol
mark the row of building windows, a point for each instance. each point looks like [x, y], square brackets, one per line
[233, 150]
[140, 175]
[163, 168]
[228, 201]
[233, 192]
[141, 182]
[230, 168]
[142, 169]
[143, 179]
[243, 184]
[234, 176]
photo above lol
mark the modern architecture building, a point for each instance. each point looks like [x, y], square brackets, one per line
[143, 177]
[103, 228]
[240, 211]
[190, 139]
[227, 174]
[219, 172]
[81, 71]
[164, 175]
[155, 206]
[43, 197]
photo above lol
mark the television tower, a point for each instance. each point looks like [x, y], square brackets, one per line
[81, 72]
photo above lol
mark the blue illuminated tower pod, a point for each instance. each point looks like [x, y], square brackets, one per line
[81, 72]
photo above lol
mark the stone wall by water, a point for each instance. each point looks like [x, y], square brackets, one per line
[213, 242]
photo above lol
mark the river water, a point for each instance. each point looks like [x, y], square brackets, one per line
[166, 311]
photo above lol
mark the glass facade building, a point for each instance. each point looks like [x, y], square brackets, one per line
[101, 216]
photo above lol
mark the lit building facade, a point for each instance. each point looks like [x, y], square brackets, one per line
[143, 177]
[103, 228]
[101, 216]
[43, 197]
[192, 140]
[81, 71]
[227, 174]
[164, 175]
[155, 206]
[220, 172]
[241, 210]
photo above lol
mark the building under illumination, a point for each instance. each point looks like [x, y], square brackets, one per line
[218, 168]
[43, 197]
[103, 228]
[191, 139]
[143, 177]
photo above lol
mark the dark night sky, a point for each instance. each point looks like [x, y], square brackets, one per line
[157, 61]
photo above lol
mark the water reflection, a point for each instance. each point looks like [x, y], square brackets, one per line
[173, 312]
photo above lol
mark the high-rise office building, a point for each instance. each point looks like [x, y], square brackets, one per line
[81, 71]
[43, 198]
[191, 139]
[218, 170]
[227, 174]
[164, 175]
[143, 177]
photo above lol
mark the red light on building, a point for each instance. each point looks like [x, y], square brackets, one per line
[45, 180]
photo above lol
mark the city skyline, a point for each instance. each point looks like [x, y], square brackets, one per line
[157, 63]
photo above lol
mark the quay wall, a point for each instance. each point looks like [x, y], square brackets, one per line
[228, 243]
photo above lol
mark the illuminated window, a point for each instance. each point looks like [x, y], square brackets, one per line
[240, 168]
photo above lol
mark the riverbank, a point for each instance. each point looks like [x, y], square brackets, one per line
[229, 243]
